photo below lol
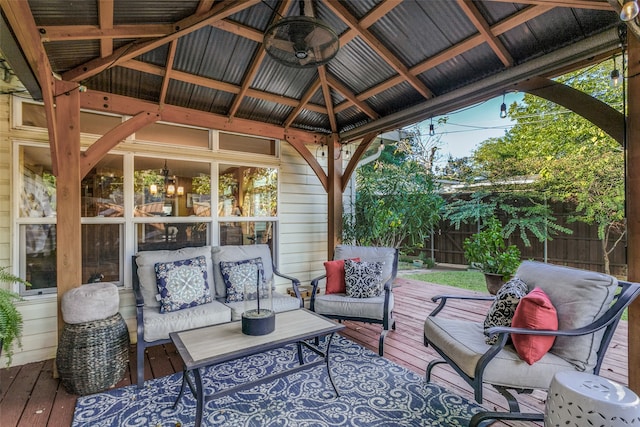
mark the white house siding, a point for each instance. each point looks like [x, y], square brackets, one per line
[301, 246]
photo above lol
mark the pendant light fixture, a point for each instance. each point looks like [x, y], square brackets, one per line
[503, 108]
[432, 130]
[615, 75]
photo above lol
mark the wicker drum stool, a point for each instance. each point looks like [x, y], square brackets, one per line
[93, 352]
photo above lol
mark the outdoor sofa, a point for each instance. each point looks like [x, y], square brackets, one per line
[157, 315]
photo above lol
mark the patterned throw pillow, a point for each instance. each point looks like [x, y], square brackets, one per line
[237, 274]
[182, 284]
[504, 306]
[363, 279]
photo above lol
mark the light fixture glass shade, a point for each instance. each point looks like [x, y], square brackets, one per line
[629, 11]
[180, 190]
[153, 189]
[615, 78]
[503, 111]
[171, 190]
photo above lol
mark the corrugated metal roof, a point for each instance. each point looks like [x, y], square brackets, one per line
[413, 31]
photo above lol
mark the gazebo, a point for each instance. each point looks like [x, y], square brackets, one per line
[232, 66]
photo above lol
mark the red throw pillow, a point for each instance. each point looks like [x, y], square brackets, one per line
[335, 276]
[534, 311]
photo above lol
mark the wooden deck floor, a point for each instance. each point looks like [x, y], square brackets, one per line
[31, 397]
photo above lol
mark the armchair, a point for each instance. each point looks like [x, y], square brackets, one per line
[375, 309]
[589, 306]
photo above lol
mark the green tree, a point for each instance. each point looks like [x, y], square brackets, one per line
[572, 159]
[396, 205]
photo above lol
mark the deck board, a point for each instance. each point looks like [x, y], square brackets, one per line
[30, 396]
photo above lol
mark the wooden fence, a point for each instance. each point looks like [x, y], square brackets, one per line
[582, 249]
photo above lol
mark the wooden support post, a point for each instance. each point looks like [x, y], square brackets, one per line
[68, 244]
[334, 172]
[633, 205]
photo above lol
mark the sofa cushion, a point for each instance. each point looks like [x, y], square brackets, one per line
[182, 284]
[146, 261]
[534, 311]
[504, 306]
[579, 297]
[343, 306]
[335, 276]
[464, 342]
[157, 326]
[239, 253]
[363, 279]
[371, 254]
[279, 303]
[238, 275]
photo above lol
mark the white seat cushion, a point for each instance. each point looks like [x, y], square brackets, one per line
[239, 253]
[344, 306]
[464, 342]
[280, 303]
[157, 326]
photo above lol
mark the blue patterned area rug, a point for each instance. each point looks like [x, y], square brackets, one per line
[373, 392]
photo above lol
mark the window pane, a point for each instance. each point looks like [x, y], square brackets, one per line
[246, 144]
[102, 189]
[247, 233]
[38, 250]
[174, 135]
[38, 185]
[171, 188]
[101, 253]
[173, 235]
[247, 191]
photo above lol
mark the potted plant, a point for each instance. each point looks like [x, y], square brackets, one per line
[10, 317]
[488, 252]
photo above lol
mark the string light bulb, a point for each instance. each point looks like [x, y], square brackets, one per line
[432, 130]
[503, 109]
[615, 75]
[629, 11]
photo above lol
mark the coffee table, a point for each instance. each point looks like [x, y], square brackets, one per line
[215, 344]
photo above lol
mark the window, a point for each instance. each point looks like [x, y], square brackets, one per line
[172, 203]
[37, 219]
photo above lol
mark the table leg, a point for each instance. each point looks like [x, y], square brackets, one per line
[199, 397]
[326, 358]
[184, 380]
[300, 358]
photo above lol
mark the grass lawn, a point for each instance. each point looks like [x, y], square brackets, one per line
[471, 280]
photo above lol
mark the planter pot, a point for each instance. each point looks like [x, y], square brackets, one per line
[418, 263]
[494, 282]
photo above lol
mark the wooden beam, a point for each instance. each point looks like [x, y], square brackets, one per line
[326, 92]
[111, 139]
[311, 160]
[344, 91]
[597, 112]
[353, 162]
[183, 27]
[118, 104]
[476, 18]
[303, 102]
[218, 85]
[342, 12]
[633, 206]
[23, 25]
[53, 33]
[105, 15]
[334, 195]
[574, 4]
[68, 218]
[168, 69]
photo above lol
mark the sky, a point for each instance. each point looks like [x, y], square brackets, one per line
[469, 126]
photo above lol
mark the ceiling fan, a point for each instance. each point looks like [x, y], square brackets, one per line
[301, 41]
